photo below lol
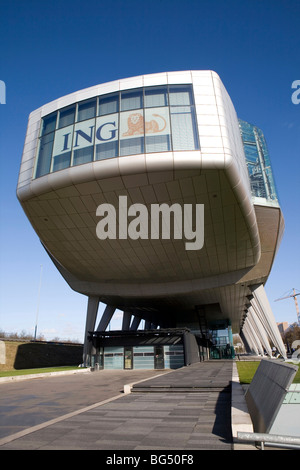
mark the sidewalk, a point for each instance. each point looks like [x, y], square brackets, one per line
[190, 410]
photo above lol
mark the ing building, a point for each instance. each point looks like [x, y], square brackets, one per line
[96, 162]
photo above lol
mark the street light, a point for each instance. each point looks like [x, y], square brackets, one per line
[38, 303]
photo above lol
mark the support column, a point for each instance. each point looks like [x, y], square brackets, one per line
[248, 334]
[261, 332]
[230, 336]
[255, 334]
[106, 317]
[91, 316]
[244, 339]
[262, 304]
[135, 323]
[126, 320]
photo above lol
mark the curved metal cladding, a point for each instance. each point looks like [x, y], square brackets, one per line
[167, 138]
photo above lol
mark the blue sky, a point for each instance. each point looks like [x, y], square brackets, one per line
[50, 49]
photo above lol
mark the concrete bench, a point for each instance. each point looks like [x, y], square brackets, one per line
[267, 391]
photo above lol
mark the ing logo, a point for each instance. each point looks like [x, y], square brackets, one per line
[296, 353]
[136, 125]
[2, 92]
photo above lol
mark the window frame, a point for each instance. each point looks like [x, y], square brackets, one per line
[146, 108]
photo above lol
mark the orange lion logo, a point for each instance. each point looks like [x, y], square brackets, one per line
[135, 124]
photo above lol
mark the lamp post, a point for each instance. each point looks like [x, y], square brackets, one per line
[38, 303]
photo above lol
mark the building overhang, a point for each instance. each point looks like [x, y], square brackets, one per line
[161, 275]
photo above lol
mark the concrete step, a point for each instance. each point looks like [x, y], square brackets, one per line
[171, 389]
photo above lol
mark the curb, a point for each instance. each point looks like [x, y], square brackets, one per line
[17, 378]
[240, 417]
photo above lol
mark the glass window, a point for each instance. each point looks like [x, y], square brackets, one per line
[132, 99]
[66, 116]
[107, 128]
[258, 161]
[180, 95]
[107, 136]
[63, 140]
[60, 162]
[45, 152]
[184, 133]
[86, 110]
[83, 155]
[84, 134]
[157, 129]
[156, 96]
[107, 150]
[48, 124]
[127, 128]
[132, 124]
[108, 104]
[158, 143]
[132, 146]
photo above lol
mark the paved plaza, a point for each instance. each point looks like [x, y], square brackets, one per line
[184, 409]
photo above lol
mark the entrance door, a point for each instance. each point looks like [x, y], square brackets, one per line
[128, 355]
[159, 362]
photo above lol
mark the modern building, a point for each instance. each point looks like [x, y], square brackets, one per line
[283, 326]
[153, 198]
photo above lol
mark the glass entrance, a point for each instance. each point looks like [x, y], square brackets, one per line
[128, 355]
[159, 362]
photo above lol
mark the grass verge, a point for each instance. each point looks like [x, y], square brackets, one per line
[247, 369]
[9, 373]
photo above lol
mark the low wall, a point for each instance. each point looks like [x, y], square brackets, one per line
[31, 355]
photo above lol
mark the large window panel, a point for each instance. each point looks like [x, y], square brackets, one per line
[158, 143]
[86, 110]
[109, 104]
[107, 133]
[132, 124]
[153, 119]
[107, 150]
[132, 146]
[132, 99]
[184, 134]
[180, 95]
[48, 124]
[84, 134]
[66, 116]
[156, 96]
[107, 128]
[62, 148]
[60, 162]
[83, 155]
[157, 130]
[44, 155]
[63, 140]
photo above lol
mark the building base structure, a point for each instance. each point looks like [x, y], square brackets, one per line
[146, 349]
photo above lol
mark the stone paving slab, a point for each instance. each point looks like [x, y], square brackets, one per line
[133, 423]
[37, 400]
[142, 421]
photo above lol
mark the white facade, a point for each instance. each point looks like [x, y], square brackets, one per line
[160, 277]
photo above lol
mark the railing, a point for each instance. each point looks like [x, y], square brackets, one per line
[292, 442]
